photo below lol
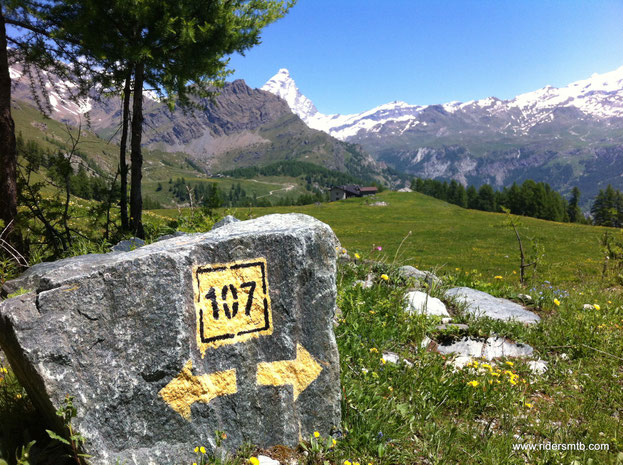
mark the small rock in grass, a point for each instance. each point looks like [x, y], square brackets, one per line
[491, 348]
[481, 304]
[445, 321]
[538, 367]
[391, 357]
[461, 361]
[412, 272]
[128, 245]
[525, 297]
[394, 358]
[421, 303]
[264, 460]
[588, 307]
[426, 342]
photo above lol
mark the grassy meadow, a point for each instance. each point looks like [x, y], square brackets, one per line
[423, 409]
[440, 236]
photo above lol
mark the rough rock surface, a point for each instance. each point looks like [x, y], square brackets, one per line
[481, 304]
[421, 303]
[156, 360]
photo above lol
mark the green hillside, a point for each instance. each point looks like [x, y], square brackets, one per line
[446, 237]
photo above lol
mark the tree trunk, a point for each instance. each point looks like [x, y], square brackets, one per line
[123, 167]
[136, 157]
[8, 153]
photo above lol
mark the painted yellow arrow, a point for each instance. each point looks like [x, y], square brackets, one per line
[186, 389]
[300, 373]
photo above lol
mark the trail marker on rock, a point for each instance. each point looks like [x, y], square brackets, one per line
[161, 346]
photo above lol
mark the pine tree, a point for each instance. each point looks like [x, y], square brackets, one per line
[573, 209]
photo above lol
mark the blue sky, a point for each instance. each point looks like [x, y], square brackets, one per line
[348, 56]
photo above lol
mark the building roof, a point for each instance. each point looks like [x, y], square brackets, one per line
[354, 189]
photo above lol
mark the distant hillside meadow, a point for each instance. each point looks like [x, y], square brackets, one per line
[420, 230]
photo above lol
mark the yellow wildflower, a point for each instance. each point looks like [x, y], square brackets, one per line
[254, 461]
[597, 307]
[391, 389]
[374, 350]
[473, 383]
[456, 269]
[357, 256]
[556, 302]
[383, 361]
[497, 375]
[316, 434]
[347, 462]
[385, 277]
[528, 404]
[196, 449]
[333, 442]
[510, 364]
[202, 449]
[498, 277]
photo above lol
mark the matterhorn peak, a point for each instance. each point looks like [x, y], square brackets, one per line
[282, 85]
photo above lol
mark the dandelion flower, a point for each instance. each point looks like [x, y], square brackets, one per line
[556, 302]
[385, 277]
[473, 383]
[316, 434]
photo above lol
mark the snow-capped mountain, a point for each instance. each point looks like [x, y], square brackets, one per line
[600, 96]
[566, 136]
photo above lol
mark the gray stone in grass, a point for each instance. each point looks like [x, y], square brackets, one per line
[408, 271]
[128, 245]
[135, 338]
[421, 303]
[481, 304]
[491, 348]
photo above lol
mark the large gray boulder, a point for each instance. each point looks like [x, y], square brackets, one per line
[481, 304]
[229, 330]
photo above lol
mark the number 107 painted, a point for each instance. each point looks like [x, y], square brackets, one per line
[232, 302]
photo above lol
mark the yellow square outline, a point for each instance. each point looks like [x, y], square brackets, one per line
[240, 336]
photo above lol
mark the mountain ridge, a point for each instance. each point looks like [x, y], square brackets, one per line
[565, 136]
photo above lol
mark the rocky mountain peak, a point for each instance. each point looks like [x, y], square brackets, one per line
[282, 85]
